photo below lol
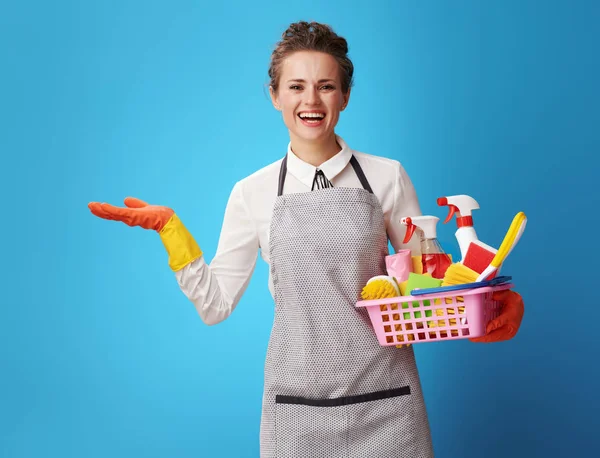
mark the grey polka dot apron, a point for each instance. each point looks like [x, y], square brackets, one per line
[331, 390]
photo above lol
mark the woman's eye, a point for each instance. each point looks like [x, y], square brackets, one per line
[295, 87]
[327, 87]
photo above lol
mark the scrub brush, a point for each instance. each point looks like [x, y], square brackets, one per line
[380, 287]
[458, 274]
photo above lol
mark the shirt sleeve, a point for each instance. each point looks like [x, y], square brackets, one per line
[216, 288]
[405, 204]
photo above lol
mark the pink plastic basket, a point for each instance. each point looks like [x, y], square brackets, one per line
[460, 314]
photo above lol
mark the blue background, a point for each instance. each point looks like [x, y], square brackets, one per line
[102, 355]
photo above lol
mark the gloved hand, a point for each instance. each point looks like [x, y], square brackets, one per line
[506, 325]
[179, 243]
[137, 213]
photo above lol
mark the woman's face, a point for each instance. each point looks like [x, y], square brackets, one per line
[310, 95]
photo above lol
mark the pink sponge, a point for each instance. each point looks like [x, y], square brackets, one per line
[478, 256]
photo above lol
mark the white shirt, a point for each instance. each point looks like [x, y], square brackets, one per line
[215, 289]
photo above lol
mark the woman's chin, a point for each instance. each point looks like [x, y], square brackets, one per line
[312, 134]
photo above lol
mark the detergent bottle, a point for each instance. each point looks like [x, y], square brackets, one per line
[435, 261]
[462, 206]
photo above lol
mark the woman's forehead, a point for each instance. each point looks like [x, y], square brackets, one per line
[310, 65]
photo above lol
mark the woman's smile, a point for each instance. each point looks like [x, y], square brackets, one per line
[312, 118]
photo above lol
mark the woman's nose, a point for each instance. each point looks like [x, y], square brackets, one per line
[312, 97]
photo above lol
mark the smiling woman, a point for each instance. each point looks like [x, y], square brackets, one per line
[330, 389]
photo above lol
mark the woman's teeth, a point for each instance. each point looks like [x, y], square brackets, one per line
[312, 117]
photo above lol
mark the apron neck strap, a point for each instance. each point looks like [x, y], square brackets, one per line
[355, 165]
[360, 174]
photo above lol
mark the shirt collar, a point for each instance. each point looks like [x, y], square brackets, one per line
[305, 172]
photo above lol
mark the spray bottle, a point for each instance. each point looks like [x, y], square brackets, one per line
[435, 261]
[462, 205]
[474, 253]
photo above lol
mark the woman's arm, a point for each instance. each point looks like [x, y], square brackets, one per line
[216, 289]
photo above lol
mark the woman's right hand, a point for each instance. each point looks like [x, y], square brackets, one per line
[180, 244]
[136, 213]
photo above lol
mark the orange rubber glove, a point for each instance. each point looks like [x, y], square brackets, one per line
[137, 213]
[179, 243]
[506, 325]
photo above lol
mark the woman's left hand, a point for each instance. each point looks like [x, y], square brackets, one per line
[506, 325]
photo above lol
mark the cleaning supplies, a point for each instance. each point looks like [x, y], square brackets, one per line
[433, 258]
[420, 281]
[435, 293]
[510, 240]
[399, 265]
[473, 252]
[379, 287]
[479, 255]
[443, 289]
[458, 273]
[417, 264]
[461, 205]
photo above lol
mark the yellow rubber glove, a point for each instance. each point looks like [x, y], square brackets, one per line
[179, 243]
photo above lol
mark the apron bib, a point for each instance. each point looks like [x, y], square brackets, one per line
[330, 389]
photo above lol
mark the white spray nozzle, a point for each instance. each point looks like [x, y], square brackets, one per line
[461, 204]
[426, 223]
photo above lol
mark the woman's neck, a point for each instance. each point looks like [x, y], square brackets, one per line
[315, 152]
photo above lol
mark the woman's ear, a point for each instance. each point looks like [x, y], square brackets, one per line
[345, 100]
[274, 98]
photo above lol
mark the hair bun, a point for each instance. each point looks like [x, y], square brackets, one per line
[297, 28]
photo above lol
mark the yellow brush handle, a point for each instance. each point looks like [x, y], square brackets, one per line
[510, 239]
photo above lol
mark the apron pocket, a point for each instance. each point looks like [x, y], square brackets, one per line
[307, 430]
[383, 427]
[377, 424]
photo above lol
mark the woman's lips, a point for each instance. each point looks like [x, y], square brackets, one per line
[312, 121]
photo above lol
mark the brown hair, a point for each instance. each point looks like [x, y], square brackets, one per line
[313, 36]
